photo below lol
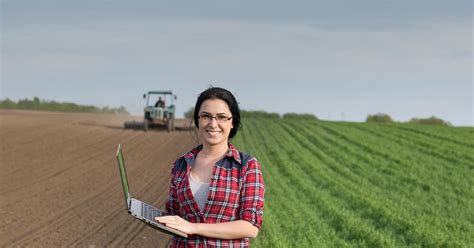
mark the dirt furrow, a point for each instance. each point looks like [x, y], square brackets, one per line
[61, 182]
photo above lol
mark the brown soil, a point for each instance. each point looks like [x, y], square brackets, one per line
[60, 185]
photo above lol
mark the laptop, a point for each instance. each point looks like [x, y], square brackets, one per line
[138, 209]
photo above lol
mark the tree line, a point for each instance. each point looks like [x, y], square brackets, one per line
[44, 105]
[262, 114]
[385, 118]
[376, 118]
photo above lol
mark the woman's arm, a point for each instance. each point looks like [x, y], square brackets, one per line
[228, 230]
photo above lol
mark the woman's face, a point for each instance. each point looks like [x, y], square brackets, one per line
[214, 131]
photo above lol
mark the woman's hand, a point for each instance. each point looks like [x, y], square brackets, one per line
[178, 223]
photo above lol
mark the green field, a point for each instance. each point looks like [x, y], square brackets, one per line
[336, 184]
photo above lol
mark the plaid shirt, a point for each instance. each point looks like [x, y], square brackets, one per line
[236, 192]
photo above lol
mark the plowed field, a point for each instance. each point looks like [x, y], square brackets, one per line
[59, 181]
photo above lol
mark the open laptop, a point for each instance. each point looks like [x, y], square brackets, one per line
[139, 209]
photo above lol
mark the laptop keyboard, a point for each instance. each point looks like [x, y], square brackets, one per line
[149, 212]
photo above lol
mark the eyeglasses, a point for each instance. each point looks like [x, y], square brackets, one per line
[219, 118]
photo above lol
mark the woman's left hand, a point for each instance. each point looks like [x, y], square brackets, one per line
[177, 223]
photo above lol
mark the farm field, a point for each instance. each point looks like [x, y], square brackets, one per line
[328, 184]
[335, 184]
[60, 184]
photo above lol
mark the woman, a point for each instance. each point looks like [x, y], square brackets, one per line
[216, 192]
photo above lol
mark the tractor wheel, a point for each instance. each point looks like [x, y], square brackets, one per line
[170, 123]
[145, 125]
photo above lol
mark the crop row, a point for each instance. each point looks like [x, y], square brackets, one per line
[345, 185]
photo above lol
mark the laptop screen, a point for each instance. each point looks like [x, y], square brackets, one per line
[123, 174]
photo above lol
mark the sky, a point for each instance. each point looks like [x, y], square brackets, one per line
[338, 60]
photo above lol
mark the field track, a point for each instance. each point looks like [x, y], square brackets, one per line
[60, 184]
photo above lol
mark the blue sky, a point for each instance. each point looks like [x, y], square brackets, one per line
[339, 60]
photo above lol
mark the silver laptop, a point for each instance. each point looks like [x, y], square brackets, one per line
[139, 209]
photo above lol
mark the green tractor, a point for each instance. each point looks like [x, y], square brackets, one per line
[159, 110]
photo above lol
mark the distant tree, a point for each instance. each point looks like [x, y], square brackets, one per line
[7, 104]
[105, 109]
[379, 118]
[433, 120]
[36, 103]
[258, 114]
[122, 110]
[190, 113]
[299, 116]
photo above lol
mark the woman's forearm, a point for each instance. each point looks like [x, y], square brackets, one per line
[228, 230]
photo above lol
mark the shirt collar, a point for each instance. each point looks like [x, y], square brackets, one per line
[231, 153]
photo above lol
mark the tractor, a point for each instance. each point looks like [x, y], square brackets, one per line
[159, 110]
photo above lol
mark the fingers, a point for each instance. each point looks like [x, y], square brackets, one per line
[168, 219]
[177, 223]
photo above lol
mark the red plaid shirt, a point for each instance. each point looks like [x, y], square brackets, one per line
[236, 192]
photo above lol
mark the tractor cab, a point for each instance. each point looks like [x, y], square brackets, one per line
[159, 109]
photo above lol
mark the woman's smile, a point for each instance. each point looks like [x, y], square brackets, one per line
[213, 133]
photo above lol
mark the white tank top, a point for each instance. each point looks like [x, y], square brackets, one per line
[199, 190]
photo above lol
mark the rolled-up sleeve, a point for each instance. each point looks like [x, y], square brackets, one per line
[252, 194]
[172, 205]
